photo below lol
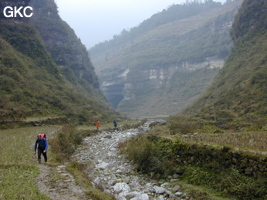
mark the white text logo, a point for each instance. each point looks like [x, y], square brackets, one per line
[18, 12]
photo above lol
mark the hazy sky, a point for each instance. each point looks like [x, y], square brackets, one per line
[95, 21]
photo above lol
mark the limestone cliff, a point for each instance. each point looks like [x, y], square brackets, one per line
[153, 72]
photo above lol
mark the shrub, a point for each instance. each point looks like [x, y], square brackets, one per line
[65, 143]
[231, 173]
[178, 124]
[151, 154]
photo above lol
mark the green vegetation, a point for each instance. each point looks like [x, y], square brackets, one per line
[32, 85]
[220, 142]
[206, 160]
[247, 17]
[172, 42]
[238, 93]
[69, 137]
[27, 90]
[170, 15]
[18, 169]
[64, 145]
[91, 192]
[65, 48]
[245, 136]
[178, 92]
[46, 78]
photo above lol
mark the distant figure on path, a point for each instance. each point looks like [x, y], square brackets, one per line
[42, 147]
[115, 123]
[97, 124]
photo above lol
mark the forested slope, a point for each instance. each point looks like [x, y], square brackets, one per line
[33, 83]
[238, 92]
[140, 69]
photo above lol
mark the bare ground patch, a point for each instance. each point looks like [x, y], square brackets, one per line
[58, 184]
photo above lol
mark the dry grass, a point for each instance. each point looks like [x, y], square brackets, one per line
[251, 138]
[253, 141]
[30, 119]
[18, 171]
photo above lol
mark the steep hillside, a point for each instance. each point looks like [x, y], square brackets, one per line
[65, 48]
[138, 70]
[238, 92]
[32, 84]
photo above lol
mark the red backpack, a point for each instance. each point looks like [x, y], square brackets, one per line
[43, 135]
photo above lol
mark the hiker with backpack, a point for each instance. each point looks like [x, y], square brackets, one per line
[42, 147]
[115, 123]
[97, 124]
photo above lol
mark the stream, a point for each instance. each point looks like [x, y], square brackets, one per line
[112, 172]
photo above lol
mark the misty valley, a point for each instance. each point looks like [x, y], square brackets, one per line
[174, 108]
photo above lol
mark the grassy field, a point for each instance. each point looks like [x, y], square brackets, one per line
[31, 119]
[216, 164]
[18, 164]
[18, 170]
[254, 141]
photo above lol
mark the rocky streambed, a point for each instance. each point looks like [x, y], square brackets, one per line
[109, 170]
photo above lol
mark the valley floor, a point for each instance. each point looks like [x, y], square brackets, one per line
[109, 170]
[104, 165]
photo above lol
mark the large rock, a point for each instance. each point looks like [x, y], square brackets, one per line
[102, 165]
[121, 187]
[159, 190]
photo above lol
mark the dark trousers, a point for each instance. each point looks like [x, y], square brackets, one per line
[41, 151]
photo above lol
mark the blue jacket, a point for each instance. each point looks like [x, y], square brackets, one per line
[41, 143]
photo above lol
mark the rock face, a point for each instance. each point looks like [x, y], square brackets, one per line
[116, 175]
[154, 72]
[152, 91]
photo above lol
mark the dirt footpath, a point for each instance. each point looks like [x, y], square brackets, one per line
[58, 184]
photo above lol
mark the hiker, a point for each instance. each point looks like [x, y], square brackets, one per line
[115, 123]
[97, 124]
[42, 147]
